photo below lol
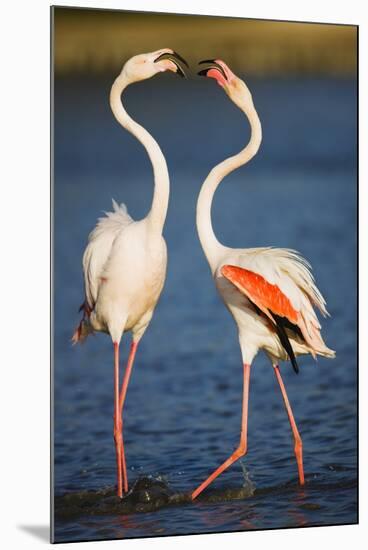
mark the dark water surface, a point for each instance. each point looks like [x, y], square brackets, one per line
[182, 415]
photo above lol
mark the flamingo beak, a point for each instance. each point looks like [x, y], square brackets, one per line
[178, 61]
[214, 70]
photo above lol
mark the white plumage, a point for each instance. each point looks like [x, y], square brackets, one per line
[270, 292]
[124, 263]
[99, 247]
[291, 273]
[283, 271]
[124, 267]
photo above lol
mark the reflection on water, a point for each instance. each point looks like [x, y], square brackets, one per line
[184, 402]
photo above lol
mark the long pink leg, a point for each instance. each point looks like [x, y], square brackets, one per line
[123, 391]
[298, 447]
[117, 422]
[242, 447]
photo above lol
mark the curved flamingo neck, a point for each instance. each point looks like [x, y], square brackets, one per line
[211, 246]
[157, 214]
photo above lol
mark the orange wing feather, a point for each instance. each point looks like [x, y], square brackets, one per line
[267, 297]
[271, 300]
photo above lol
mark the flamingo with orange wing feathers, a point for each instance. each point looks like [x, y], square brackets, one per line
[270, 292]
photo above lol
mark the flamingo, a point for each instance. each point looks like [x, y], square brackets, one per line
[124, 263]
[270, 292]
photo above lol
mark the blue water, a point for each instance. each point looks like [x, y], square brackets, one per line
[182, 414]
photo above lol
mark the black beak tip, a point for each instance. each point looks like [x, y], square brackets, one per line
[213, 65]
[180, 72]
[175, 58]
[181, 59]
[206, 61]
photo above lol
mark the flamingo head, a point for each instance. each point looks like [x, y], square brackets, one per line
[235, 88]
[146, 65]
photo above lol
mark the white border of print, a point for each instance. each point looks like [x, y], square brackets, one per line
[25, 274]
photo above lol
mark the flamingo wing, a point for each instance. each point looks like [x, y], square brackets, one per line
[97, 252]
[269, 299]
[266, 296]
[280, 284]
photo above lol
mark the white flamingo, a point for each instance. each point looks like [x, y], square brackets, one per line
[270, 292]
[124, 263]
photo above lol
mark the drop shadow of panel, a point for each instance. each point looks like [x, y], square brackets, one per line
[41, 532]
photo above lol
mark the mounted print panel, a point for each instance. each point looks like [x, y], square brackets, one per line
[204, 372]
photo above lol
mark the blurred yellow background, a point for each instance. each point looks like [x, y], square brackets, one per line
[99, 40]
